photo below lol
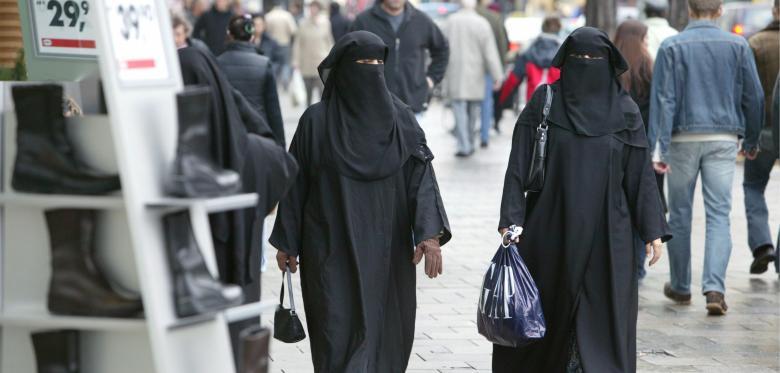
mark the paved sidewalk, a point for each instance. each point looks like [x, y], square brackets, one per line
[671, 338]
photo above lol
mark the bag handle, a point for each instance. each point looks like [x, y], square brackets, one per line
[547, 105]
[289, 290]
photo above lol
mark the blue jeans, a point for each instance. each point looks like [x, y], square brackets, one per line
[466, 115]
[715, 161]
[756, 178]
[487, 110]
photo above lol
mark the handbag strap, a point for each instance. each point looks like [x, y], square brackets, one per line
[547, 105]
[289, 290]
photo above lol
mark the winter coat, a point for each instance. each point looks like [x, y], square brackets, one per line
[251, 74]
[765, 47]
[658, 30]
[339, 25]
[474, 54]
[281, 26]
[270, 48]
[312, 45]
[533, 64]
[405, 67]
[499, 32]
[211, 28]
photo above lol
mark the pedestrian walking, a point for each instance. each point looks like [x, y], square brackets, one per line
[534, 65]
[366, 194]
[579, 227]
[281, 27]
[473, 54]
[658, 28]
[250, 73]
[502, 44]
[311, 46]
[263, 42]
[211, 26]
[339, 23]
[412, 37]
[631, 41]
[765, 45]
[705, 96]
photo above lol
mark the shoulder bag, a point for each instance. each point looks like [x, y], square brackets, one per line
[535, 180]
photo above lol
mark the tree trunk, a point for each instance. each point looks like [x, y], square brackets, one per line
[601, 14]
[678, 13]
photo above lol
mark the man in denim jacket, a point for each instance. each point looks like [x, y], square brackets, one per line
[706, 95]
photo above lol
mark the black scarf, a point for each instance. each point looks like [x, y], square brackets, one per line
[590, 100]
[368, 134]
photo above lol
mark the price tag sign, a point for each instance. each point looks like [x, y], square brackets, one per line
[63, 28]
[136, 41]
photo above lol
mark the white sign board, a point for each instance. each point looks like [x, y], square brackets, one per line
[63, 28]
[136, 41]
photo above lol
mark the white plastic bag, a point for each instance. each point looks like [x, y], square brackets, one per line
[297, 89]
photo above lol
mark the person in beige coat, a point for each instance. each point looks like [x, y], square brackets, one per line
[473, 54]
[312, 44]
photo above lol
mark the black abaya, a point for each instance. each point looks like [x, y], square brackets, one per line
[578, 237]
[355, 230]
[265, 168]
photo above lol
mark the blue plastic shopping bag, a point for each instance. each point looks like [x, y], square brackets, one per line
[510, 311]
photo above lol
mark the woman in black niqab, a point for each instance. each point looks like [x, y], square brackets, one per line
[365, 198]
[578, 230]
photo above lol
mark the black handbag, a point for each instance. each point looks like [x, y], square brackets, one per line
[535, 180]
[287, 326]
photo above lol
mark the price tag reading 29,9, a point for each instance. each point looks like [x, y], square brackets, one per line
[63, 28]
[136, 40]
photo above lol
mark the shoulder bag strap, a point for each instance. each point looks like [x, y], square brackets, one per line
[289, 290]
[547, 105]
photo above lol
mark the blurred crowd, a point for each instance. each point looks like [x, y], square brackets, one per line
[676, 79]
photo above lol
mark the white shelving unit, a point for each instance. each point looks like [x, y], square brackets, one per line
[137, 140]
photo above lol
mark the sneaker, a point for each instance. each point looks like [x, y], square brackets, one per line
[761, 259]
[716, 303]
[679, 298]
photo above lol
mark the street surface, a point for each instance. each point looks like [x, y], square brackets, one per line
[671, 338]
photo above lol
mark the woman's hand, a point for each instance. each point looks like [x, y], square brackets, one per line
[508, 240]
[283, 260]
[433, 260]
[656, 249]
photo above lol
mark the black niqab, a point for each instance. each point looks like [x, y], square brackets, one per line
[366, 139]
[591, 101]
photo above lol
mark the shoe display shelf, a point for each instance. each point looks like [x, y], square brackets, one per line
[137, 140]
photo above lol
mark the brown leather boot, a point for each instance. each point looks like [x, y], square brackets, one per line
[77, 286]
[56, 351]
[716, 303]
[254, 349]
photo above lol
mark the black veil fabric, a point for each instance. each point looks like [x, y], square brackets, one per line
[589, 99]
[367, 138]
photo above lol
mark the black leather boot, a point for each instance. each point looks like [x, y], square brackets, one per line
[196, 291]
[255, 342]
[45, 160]
[57, 351]
[194, 172]
[77, 286]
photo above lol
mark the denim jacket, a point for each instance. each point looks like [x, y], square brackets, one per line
[705, 81]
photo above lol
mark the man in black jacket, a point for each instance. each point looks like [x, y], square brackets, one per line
[211, 26]
[251, 74]
[409, 33]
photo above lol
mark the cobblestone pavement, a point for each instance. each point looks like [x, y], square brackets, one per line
[671, 338]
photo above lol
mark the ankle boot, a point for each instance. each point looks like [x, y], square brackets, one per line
[255, 341]
[196, 291]
[77, 286]
[194, 172]
[45, 160]
[57, 351]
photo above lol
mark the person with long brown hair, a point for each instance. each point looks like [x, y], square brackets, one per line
[631, 41]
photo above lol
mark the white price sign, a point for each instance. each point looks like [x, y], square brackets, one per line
[136, 40]
[63, 28]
